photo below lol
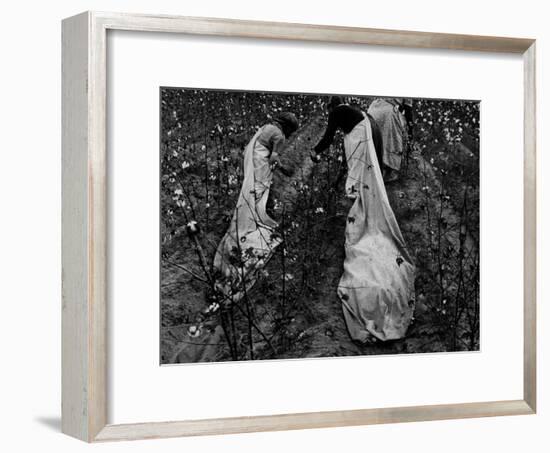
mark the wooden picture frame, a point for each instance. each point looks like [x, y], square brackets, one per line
[84, 351]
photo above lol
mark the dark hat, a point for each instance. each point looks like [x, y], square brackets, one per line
[335, 101]
[288, 122]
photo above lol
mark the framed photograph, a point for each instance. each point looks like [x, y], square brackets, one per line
[272, 226]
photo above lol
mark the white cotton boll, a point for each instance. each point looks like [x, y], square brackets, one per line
[194, 331]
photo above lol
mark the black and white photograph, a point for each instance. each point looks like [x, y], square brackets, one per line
[300, 225]
[243, 227]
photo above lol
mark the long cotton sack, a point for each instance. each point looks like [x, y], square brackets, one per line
[377, 286]
[250, 240]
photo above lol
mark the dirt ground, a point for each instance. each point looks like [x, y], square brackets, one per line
[317, 327]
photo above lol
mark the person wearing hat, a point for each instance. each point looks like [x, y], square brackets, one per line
[376, 288]
[393, 115]
[272, 139]
[252, 228]
[344, 117]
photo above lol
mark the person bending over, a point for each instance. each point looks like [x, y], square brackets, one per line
[345, 117]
